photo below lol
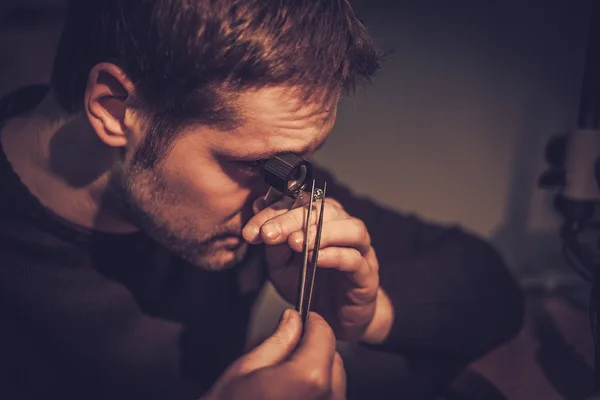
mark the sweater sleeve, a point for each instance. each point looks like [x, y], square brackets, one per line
[453, 297]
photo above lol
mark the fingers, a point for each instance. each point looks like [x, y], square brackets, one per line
[274, 224]
[338, 379]
[283, 382]
[313, 372]
[312, 362]
[359, 270]
[251, 231]
[316, 349]
[347, 232]
[344, 246]
[275, 348]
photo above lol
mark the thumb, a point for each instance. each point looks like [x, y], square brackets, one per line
[276, 347]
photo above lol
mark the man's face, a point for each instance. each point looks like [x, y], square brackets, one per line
[198, 198]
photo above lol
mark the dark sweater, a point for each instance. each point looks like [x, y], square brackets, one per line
[89, 315]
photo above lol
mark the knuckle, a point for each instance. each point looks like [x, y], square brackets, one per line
[333, 210]
[341, 254]
[357, 256]
[316, 382]
[372, 255]
[277, 341]
[352, 257]
[297, 216]
[362, 230]
[373, 263]
[319, 323]
[334, 203]
[338, 360]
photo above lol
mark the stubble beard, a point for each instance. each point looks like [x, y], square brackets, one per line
[141, 199]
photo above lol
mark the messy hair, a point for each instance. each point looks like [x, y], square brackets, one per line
[188, 58]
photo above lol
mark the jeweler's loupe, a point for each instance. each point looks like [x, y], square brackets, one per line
[288, 175]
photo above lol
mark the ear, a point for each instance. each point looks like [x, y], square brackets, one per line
[107, 95]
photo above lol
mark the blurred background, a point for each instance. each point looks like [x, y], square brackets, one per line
[453, 129]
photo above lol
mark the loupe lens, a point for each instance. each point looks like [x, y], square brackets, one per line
[298, 179]
[287, 173]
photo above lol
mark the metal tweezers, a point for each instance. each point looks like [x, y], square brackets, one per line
[308, 272]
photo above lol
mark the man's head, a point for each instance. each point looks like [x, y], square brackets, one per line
[196, 92]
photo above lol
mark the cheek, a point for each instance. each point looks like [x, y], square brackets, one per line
[219, 191]
[203, 187]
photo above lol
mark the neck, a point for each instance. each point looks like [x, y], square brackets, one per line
[65, 165]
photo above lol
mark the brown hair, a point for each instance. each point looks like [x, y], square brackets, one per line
[182, 54]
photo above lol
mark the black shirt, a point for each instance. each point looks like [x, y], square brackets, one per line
[90, 315]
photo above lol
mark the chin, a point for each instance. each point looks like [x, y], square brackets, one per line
[217, 258]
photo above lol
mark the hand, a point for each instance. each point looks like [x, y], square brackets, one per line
[346, 290]
[287, 365]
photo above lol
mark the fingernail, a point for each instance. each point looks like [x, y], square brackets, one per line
[271, 231]
[297, 238]
[250, 232]
[285, 316]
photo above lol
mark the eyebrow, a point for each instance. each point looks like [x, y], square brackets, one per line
[268, 154]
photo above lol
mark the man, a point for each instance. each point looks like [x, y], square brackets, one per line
[133, 235]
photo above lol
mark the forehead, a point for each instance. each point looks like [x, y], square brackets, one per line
[278, 120]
